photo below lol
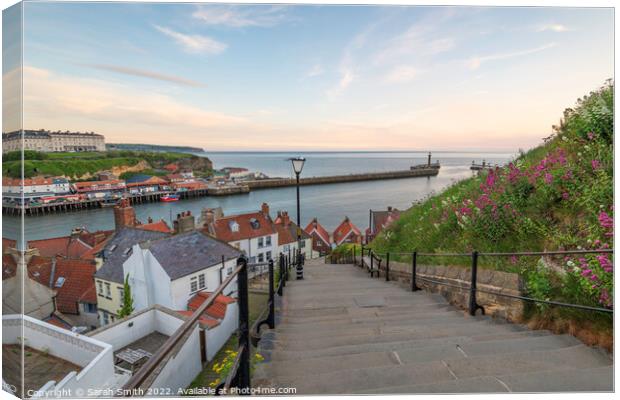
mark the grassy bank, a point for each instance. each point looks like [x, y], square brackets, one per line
[558, 195]
[77, 165]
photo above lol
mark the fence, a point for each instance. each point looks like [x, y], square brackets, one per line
[239, 375]
[372, 258]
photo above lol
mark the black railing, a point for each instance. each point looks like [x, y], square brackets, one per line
[239, 374]
[473, 305]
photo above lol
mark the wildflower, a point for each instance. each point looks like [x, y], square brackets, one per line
[591, 135]
[605, 220]
[548, 178]
[565, 196]
[596, 164]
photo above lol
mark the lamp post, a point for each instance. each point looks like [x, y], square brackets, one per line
[298, 165]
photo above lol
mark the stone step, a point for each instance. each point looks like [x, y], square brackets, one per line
[423, 333]
[337, 313]
[368, 317]
[566, 380]
[339, 362]
[359, 380]
[278, 354]
[368, 328]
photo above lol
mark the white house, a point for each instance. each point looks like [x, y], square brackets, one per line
[169, 271]
[252, 233]
[35, 186]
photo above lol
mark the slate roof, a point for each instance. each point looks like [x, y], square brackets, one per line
[114, 257]
[383, 219]
[184, 254]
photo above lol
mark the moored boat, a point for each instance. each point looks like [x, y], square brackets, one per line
[170, 197]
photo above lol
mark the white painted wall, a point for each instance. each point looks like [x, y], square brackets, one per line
[181, 288]
[150, 284]
[94, 356]
[218, 336]
[307, 249]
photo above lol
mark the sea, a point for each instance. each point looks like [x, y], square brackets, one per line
[329, 203]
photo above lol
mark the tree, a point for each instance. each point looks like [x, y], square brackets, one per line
[127, 307]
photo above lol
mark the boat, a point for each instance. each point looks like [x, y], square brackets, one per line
[170, 197]
[109, 202]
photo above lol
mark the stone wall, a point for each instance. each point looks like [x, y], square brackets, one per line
[488, 280]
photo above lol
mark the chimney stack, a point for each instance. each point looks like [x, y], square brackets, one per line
[315, 222]
[185, 222]
[264, 208]
[124, 215]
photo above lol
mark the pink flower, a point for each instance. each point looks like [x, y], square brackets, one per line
[548, 178]
[596, 164]
[565, 196]
[590, 135]
[513, 259]
[605, 220]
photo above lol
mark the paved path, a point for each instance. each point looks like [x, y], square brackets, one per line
[340, 331]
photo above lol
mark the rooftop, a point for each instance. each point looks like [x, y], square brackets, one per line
[242, 226]
[343, 230]
[115, 251]
[183, 254]
[39, 367]
[315, 226]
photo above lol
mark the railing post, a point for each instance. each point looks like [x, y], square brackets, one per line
[473, 305]
[244, 324]
[299, 266]
[282, 281]
[414, 265]
[271, 320]
[372, 263]
[387, 266]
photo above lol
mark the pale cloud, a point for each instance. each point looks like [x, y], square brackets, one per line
[56, 101]
[316, 70]
[401, 74]
[240, 16]
[147, 74]
[346, 78]
[475, 62]
[552, 27]
[194, 43]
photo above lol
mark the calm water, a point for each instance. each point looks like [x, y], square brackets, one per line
[329, 203]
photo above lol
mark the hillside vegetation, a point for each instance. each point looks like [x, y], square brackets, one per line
[558, 195]
[87, 164]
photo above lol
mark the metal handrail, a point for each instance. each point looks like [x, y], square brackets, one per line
[473, 305]
[233, 370]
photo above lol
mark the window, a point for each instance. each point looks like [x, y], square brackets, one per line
[108, 291]
[287, 248]
[303, 244]
[121, 293]
[268, 255]
[268, 241]
[261, 257]
[90, 308]
[100, 288]
[229, 271]
[105, 318]
[252, 259]
[201, 281]
[260, 242]
[193, 284]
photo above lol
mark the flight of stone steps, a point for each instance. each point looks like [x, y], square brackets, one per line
[340, 332]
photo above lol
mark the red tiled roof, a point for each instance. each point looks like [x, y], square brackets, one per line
[209, 322]
[159, 226]
[153, 180]
[344, 229]
[171, 167]
[8, 266]
[79, 284]
[94, 238]
[320, 231]
[287, 230]
[189, 185]
[30, 181]
[222, 227]
[56, 321]
[8, 243]
[63, 246]
[90, 254]
[216, 310]
[97, 185]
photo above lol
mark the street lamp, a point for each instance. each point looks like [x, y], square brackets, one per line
[298, 165]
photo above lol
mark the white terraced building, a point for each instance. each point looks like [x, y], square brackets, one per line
[48, 141]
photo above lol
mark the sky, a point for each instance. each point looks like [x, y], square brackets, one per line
[278, 77]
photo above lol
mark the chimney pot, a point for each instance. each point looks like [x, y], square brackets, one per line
[265, 209]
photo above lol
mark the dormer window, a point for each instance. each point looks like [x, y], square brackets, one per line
[254, 223]
[59, 282]
[234, 226]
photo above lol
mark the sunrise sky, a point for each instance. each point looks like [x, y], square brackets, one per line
[306, 77]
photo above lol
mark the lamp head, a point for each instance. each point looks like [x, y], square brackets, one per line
[298, 164]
